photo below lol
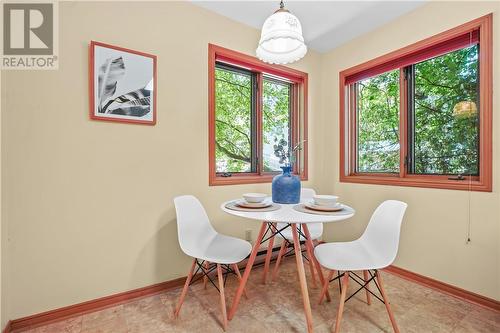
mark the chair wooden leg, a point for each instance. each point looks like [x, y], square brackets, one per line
[238, 274]
[310, 249]
[325, 286]
[345, 283]
[386, 301]
[268, 255]
[280, 257]
[222, 297]
[302, 278]
[316, 263]
[366, 277]
[205, 279]
[185, 289]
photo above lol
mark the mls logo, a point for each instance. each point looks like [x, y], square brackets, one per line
[29, 35]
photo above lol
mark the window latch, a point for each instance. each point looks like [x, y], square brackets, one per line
[226, 174]
[458, 177]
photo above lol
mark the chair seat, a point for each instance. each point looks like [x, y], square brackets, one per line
[348, 256]
[225, 250]
[315, 229]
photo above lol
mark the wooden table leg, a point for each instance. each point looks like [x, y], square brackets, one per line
[268, 255]
[325, 286]
[246, 274]
[310, 250]
[237, 272]
[280, 256]
[302, 278]
[316, 263]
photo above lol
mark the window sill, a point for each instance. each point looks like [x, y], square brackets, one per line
[437, 182]
[244, 179]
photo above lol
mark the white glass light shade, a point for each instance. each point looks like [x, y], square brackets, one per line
[281, 40]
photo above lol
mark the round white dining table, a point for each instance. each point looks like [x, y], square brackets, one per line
[297, 221]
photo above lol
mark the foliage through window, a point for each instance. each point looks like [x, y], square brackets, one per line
[235, 111]
[255, 108]
[378, 126]
[421, 118]
[276, 114]
[445, 142]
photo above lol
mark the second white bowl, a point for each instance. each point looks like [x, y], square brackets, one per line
[254, 197]
[325, 200]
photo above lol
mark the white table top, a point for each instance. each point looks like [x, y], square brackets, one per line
[287, 214]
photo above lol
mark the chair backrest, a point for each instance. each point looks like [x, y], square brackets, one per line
[193, 226]
[307, 193]
[382, 233]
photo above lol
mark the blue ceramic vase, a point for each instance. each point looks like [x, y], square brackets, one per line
[286, 187]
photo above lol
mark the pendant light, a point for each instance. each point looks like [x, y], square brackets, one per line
[281, 40]
[465, 109]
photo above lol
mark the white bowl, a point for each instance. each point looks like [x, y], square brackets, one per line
[325, 200]
[254, 197]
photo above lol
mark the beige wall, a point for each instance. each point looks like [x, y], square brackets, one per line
[88, 203]
[434, 232]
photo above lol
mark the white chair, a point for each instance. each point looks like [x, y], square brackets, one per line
[315, 230]
[198, 239]
[375, 249]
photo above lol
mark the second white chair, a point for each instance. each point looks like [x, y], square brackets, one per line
[198, 239]
[375, 249]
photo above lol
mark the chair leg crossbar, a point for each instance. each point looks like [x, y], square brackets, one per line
[205, 272]
[364, 282]
[364, 285]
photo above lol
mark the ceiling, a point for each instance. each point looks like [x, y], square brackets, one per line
[325, 24]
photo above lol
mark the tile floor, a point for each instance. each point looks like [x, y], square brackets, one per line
[277, 307]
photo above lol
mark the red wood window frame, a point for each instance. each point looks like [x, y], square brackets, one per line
[298, 119]
[477, 31]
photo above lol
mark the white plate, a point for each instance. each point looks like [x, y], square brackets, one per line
[311, 205]
[245, 204]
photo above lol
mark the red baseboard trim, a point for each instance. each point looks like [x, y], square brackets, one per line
[7, 328]
[445, 288]
[91, 306]
[44, 318]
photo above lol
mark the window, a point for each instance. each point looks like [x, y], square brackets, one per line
[421, 116]
[252, 107]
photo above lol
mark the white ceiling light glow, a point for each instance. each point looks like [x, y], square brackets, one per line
[281, 40]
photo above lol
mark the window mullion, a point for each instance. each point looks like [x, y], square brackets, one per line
[410, 123]
[258, 149]
[293, 124]
[353, 131]
[404, 97]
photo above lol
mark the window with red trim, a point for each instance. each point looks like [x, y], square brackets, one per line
[253, 107]
[421, 116]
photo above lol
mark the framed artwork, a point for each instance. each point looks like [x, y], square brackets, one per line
[122, 84]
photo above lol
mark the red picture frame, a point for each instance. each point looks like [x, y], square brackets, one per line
[151, 117]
